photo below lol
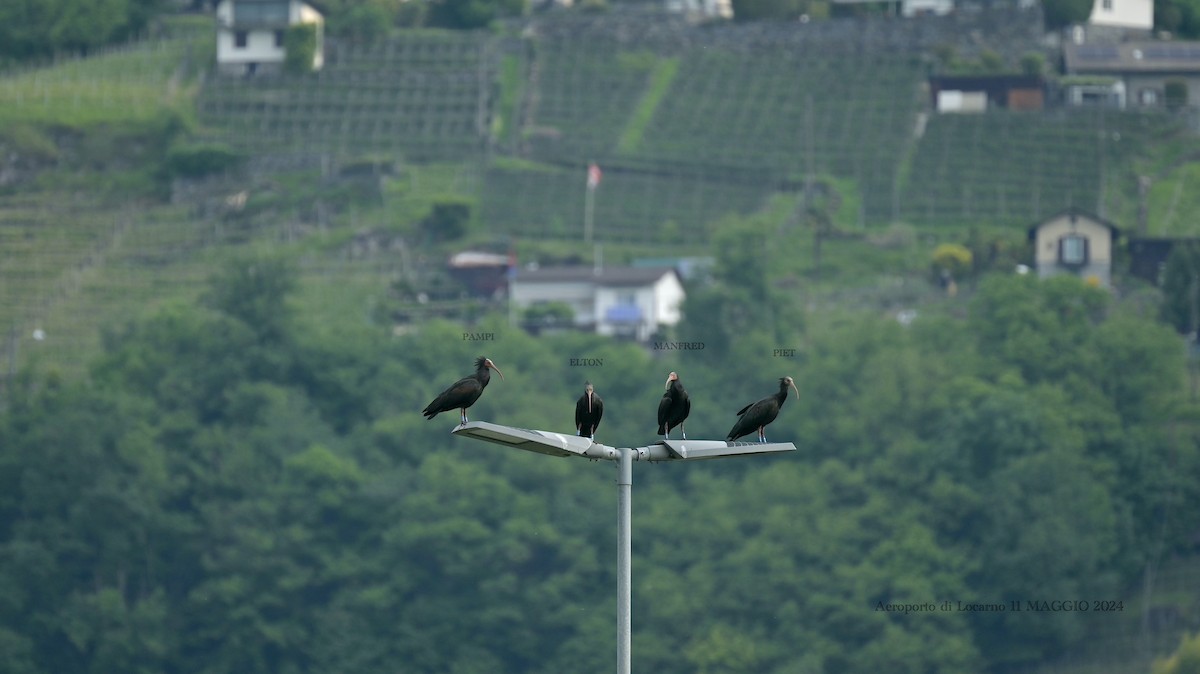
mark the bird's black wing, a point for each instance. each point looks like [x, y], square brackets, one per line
[751, 418]
[598, 409]
[687, 408]
[744, 424]
[664, 408]
[581, 412]
[461, 393]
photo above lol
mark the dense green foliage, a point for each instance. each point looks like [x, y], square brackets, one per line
[1062, 13]
[230, 493]
[300, 45]
[757, 10]
[32, 29]
[1186, 660]
[1179, 17]
[1181, 288]
[196, 160]
[368, 20]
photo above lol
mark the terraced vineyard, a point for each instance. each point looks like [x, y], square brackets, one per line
[548, 202]
[425, 96]
[1013, 168]
[581, 97]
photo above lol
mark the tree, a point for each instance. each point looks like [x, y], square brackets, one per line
[1181, 289]
[300, 47]
[31, 29]
[1179, 17]
[469, 14]
[362, 21]
[1062, 13]
[1185, 660]
[254, 290]
[755, 10]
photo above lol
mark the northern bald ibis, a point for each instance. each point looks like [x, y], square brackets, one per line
[758, 415]
[588, 411]
[674, 407]
[464, 392]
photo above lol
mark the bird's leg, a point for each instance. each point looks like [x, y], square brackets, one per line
[762, 435]
[683, 429]
[462, 414]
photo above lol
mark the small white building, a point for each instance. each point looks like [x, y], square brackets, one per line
[1128, 14]
[705, 9]
[250, 34]
[1074, 242]
[626, 302]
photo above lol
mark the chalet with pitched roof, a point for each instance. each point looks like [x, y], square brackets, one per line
[250, 34]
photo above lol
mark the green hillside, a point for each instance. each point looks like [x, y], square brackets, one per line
[224, 300]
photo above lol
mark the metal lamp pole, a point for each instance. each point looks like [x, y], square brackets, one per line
[557, 444]
[624, 561]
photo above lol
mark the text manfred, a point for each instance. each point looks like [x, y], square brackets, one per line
[679, 346]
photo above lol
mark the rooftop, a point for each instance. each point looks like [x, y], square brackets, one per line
[606, 276]
[1145, 56]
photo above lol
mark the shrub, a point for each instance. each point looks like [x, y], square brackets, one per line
[199, 160]
[951, 258]
[448, 219]
[1176, 93]
[300, 46]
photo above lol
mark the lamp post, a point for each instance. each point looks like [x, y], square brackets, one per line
[558, 444]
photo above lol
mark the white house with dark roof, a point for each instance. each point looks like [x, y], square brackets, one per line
[630, 302]
[250, 34]
[1126, 14]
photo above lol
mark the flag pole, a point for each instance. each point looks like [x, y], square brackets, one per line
[589, 200]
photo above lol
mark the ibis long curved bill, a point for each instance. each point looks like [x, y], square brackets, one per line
[464, 392]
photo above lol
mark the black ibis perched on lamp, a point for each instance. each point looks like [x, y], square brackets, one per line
[758, 415]
[464, 392]
[674, 408]
[588, 411]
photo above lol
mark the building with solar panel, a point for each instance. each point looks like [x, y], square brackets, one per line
[1142, 74]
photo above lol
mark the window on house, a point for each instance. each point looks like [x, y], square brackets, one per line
[1107, 5]
[1148, 97]
[1073, 250]
[240, 38]
[279, 38]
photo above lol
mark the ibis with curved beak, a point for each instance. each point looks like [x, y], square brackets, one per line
[674, 407]
[758, 415]
[464, 392]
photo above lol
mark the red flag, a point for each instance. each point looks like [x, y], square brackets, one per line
[593, 179]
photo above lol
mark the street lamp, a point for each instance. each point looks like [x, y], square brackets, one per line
[558, 444]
